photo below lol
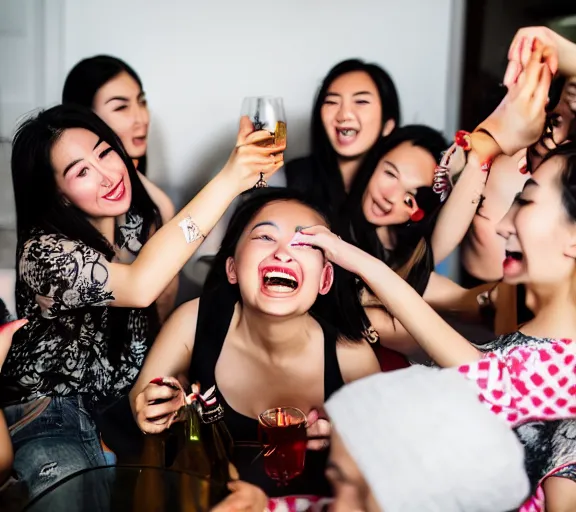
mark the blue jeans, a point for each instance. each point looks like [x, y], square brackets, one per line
[58, 442]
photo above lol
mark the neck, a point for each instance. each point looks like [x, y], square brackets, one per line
[554, 309]
[385, 237]
[275, 337]
[348, 170]
[106, 227]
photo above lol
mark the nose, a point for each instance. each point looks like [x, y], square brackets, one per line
[344, 112]
[505, 226]
[282, 255]
[106, 180]
[139, 114]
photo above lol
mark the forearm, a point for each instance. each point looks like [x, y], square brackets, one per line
[165, 303]
[458, 212]
[442, 343]
[566, 57]
[167, 251]
[446, 296]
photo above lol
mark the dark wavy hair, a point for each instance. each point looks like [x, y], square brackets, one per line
[340, 307]
[87, 77]
[41, 206]
[326, 181]
[567, 183]
[412, 257]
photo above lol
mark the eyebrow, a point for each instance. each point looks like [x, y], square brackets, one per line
[74, 162]
[359, 93]
[118, 98]
[265, 223]
[391, 165]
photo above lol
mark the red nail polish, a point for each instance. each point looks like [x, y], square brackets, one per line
[157, 380]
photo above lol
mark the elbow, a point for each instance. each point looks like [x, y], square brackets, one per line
[143, 295]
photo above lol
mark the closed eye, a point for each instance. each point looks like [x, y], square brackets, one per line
[265, 238]
[330, 102]
[390, 173]
[520, 201]
[121, 107]
[362, 102]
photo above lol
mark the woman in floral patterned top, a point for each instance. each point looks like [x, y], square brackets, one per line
[528, 377]
[92, 259]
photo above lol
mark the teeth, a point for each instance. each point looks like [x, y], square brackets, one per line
[348, 132]
[281, 275]
[279, 281]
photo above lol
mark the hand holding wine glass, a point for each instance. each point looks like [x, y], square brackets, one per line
[267, 116]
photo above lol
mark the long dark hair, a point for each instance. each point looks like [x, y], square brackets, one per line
[340, 307]
[328, 182]
[87, 77]
[412, 256]
[41, 206]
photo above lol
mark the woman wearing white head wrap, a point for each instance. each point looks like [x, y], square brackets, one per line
[420, 440]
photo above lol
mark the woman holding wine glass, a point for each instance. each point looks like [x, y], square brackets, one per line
[259, 335]
[89, 302]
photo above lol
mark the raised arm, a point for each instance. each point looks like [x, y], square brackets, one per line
[442, 343]
[67, 274]
[516, 123]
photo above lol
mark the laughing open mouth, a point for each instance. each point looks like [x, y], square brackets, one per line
[514, 255]
[280, 280]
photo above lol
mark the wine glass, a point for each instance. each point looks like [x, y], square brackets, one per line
[266, 113]
[282, 433]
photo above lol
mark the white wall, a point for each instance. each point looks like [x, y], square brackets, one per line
[199, 59]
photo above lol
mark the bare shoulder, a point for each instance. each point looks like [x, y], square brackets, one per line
[181, 324]
[356, 359]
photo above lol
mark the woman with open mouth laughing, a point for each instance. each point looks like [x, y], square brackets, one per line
[529, 373]
[87, 283]
[355, 106]
[259, 334]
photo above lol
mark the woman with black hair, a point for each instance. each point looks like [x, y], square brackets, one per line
[356, 105]
[391, 214]
[114, 91]
[92, 258]
[260, 335]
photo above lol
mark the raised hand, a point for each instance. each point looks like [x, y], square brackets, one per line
[518, 122]
[253, 155]
[522, 47]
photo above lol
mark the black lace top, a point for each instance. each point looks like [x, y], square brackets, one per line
[63, 350]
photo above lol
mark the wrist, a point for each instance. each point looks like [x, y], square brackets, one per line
[229, 182]
[484, 146]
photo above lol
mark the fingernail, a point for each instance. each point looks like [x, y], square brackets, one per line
[157, 380]
[14, 324]
[298, 238]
